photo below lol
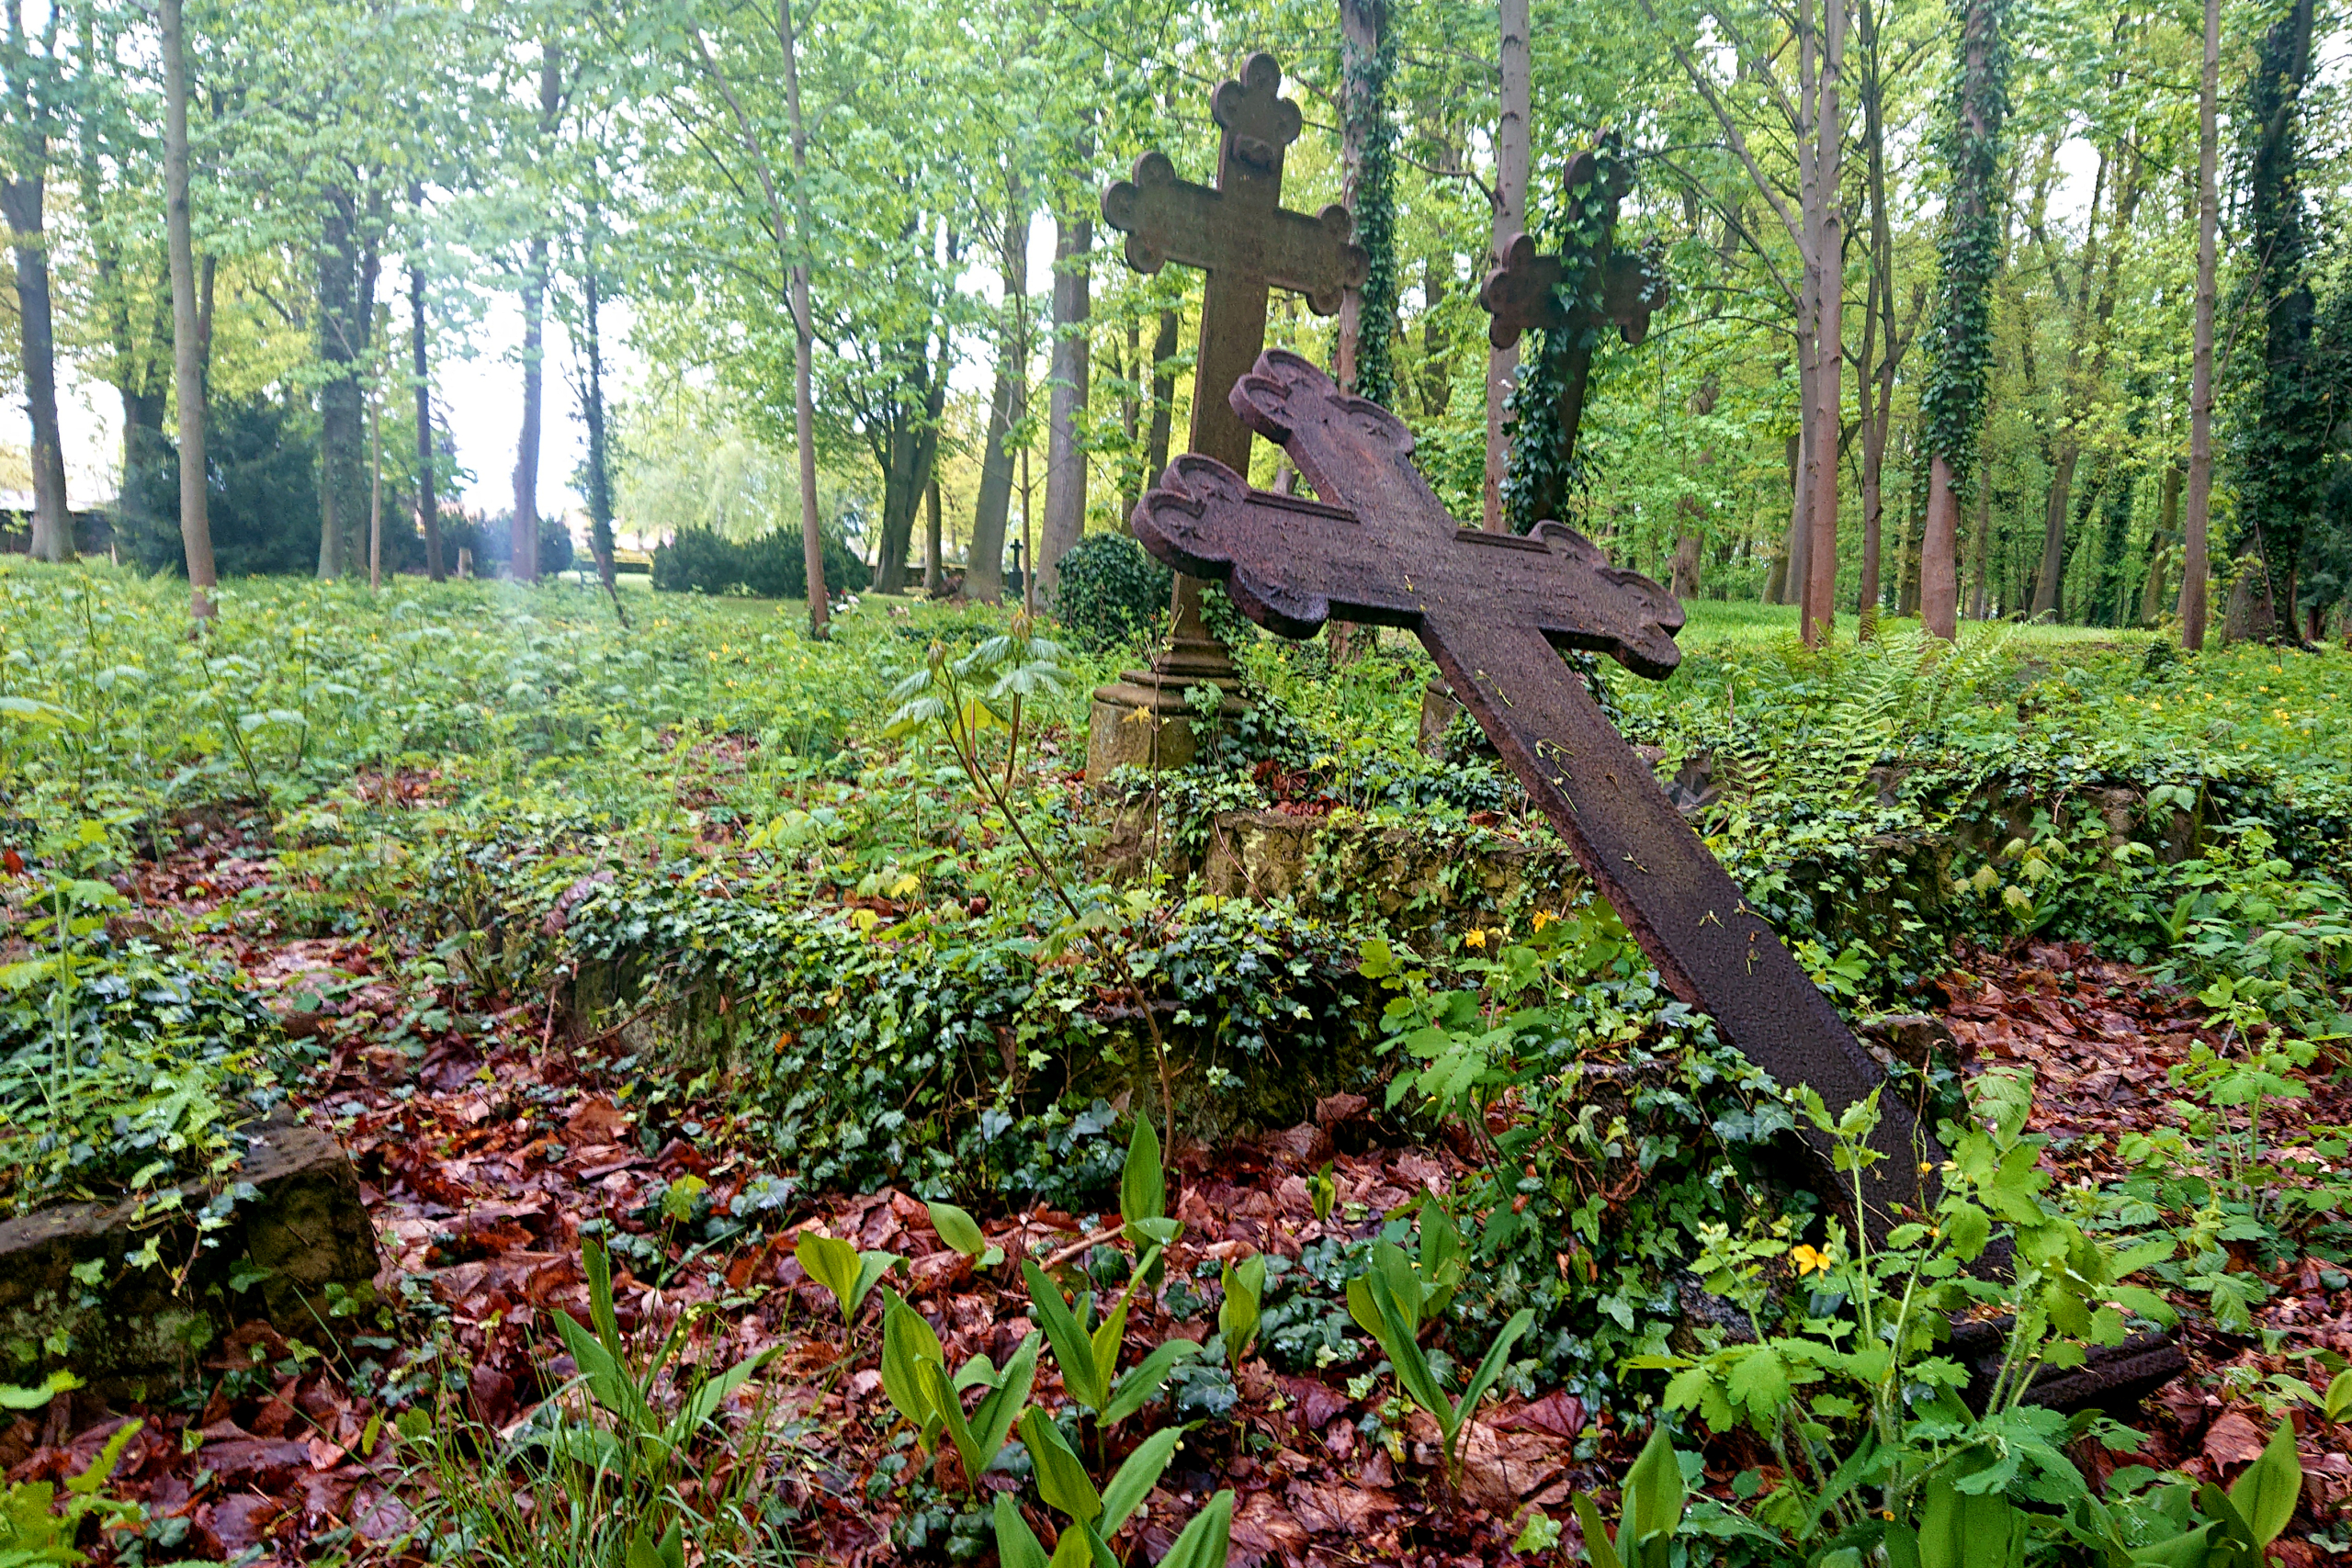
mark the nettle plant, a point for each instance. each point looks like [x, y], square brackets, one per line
[1879, 1457]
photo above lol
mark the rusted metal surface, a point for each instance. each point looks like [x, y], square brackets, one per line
[1237, 233]
[1495, 611]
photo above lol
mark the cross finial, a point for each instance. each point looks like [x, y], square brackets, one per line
[1258, 122]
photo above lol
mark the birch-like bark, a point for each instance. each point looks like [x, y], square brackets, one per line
[187, 339]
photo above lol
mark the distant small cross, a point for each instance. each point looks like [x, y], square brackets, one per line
[1239, 232]
[1495, 610]
[1523, 295]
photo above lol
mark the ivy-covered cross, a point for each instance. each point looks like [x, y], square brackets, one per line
[1496, 610]
[1572, 298]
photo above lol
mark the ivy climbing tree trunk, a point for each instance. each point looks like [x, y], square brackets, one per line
[2195, 526]
[1952, 409]
[187, 337]
[2283, 449]
[1511, 144]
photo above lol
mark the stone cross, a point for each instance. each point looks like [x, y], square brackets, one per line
[1523, 293]
[1237, 233]
[1495, 610]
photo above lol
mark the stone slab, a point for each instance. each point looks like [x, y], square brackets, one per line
[305, 1231]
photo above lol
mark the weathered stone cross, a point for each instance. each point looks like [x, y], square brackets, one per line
[1239, 232]
[1495, 610]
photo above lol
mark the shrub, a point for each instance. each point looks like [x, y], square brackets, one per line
[1108, 591]
[699, 561]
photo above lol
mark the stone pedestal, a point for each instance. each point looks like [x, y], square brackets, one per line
[1146, 719]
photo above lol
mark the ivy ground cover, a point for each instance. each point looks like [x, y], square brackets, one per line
[652, 946]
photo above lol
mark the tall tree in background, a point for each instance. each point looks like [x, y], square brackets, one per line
[1065, 511]
[1826, 280]
[804, 400]
[2196, 523]
[1365, 361]
[2281, 447]
[428, 502]
[33, 77]
[1952, 405]
[348, 263]
[1008, 403]
[188, 344]
[525, 526]
[1511, 144]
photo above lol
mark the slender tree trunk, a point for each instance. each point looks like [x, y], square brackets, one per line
[1821, 583]
[2152, 592]
[20, 205]
[1065, 511]
[984, 572]
[1979, 607]
[591, 408]
[1511, 144]
[2194, 567]
[1132, 478]
[804, 398]
[1163, 397]
[375, 491]
[187, 347]
[524, 531]
[339, 340]
[935, 564]
[428, 504]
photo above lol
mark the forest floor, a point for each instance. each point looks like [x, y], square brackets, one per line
[482, 1159]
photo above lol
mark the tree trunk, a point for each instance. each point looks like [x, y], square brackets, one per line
[1978, 608]
[342, 341]
[1952, 407]
[524, 527]
[1798, 553]
[2152, 592]
[1820, 612]
[187, 347]
[2194, 565]
[1163, 397]
[1065, 513]
[984, 572]
[20, 208]
[1132, 478]
[591, 408]
[935, 566]
[804, 399]
[1512, 143]
[428, 504]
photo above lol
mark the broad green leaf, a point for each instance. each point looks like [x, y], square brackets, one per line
[907, 1342]
[1207, 1539]
[1599, 1549]
[949, 1408]
[1491, 1366]
[2265, 1495]
[1143, 1189]
[1062, 1480]
[994, 1416]
[1145, 1379]
[1653, 1500]
[14, 1396]
[1138, 1476]
[1236, 1316]
[1104, 1342]
[1073, 1351]
[1017, 1545]
[958, 1229]
[833, 1263]
[2339, 1399]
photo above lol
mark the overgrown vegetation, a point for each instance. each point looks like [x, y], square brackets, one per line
[857, 953]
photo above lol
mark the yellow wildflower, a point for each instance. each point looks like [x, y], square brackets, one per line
[1809, 1260]
[1473, 938]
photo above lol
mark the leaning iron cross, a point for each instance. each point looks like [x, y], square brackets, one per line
[1495, 610]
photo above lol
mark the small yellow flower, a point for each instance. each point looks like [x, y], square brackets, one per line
[1543, 920]
[1809, 1260]
[1475, 938]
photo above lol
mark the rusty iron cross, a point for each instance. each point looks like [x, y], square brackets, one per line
[1239, 232]
[1495, 610]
